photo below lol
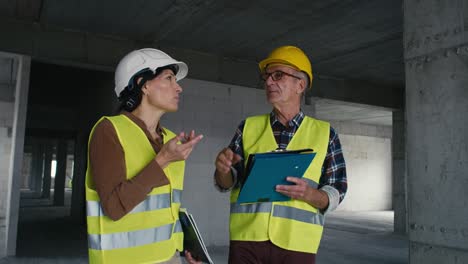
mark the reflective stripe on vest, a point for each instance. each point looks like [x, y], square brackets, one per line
[130, 239]
[178, 227]
[176, 196]
[250, 208]
[152, 202]
[298, 215]
[279, 211]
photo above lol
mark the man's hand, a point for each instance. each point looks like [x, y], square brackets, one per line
[225, 159]
[302, 191]
[172, 151]
[191, 259]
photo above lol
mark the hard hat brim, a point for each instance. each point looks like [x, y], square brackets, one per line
[264, 63]
[182, 71]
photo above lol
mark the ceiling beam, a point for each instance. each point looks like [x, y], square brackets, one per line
[360, 92]
[92, 51]
[29, 10]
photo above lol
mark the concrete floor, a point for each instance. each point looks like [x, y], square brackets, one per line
[349, 237]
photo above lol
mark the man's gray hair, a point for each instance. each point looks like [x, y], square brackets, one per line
[305, 77]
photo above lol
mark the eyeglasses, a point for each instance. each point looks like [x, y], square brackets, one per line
[276, 75]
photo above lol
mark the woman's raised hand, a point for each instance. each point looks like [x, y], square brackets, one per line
[175, 151]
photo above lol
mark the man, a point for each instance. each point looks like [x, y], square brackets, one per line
[283, 232]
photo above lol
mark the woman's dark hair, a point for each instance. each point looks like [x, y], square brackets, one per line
[130, 97]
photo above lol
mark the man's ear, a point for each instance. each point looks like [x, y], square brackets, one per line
[302, 86]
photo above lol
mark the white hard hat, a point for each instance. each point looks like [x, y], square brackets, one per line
[138, 60]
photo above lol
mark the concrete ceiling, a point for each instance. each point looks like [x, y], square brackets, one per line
[351, 40]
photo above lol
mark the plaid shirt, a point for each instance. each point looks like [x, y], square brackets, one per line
[333, 169]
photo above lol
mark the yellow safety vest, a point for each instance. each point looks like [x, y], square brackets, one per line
[151, 232]
[293, 225]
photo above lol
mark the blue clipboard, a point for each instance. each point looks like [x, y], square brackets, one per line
[266, 170]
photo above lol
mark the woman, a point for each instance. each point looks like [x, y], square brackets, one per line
[136, 167]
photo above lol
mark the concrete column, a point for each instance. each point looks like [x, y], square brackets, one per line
[436, 65]
[33, 169]
[78, 206]
[399, 176]
[60, 173]
[48, 151]
[37, 168]
[16, 161]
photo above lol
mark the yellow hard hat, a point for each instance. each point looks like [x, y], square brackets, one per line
[291, 56]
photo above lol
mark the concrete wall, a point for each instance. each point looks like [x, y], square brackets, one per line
[436, 64]
[215, 110]
[368, 163]
[7, 84]
[6, 123]
[399, 171]
[6, 120]
[367, 153]
[5, 156]
[14, 83]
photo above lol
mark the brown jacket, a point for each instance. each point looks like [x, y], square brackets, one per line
[107, 163]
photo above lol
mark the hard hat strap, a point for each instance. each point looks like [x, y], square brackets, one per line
[131, 95]
[135, 83]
